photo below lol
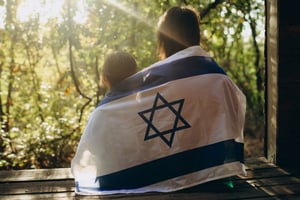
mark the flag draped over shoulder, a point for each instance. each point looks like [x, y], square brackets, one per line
[176, 124]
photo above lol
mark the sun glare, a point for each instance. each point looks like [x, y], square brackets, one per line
[2, 16]
[47, 9]
[81, 15]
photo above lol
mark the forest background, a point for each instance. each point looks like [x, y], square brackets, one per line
[51, 53]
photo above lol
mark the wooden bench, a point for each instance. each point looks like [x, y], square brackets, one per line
[264, 181]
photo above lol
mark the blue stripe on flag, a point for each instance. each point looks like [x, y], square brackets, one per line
[154, 76]
[173, 166]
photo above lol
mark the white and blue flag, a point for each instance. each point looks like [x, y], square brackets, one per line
[176, 124]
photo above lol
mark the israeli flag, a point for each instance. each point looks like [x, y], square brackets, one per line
[176, 124]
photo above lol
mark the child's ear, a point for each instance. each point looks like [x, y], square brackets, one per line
[105, 82]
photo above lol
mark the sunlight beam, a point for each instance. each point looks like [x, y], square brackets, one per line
[131, 12]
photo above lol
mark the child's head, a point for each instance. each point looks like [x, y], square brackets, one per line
[118, 65]
[178, 29]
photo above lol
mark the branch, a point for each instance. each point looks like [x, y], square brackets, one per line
[73, 75]
[259, 77]
[1, 104]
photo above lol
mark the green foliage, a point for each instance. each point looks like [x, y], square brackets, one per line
[49, 72]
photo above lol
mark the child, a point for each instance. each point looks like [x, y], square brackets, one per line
[118, 65]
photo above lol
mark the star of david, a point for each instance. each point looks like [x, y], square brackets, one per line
[156, 126]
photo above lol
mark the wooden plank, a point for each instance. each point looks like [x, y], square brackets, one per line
[35, 175]
[294, 171]
[65, 173]
[212, 190]
[264, 181]
[286, 180]
[265, 173]
[282, 190]
[242, 194]
[36, 187]
[257, 163]
[272, 46]
[279, 186]
[54, 196]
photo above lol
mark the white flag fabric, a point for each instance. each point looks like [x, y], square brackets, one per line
[176, 124]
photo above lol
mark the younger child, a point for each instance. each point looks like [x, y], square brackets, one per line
[118, 65]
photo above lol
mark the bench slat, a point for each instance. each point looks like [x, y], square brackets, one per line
[35, 175]
[264, 181]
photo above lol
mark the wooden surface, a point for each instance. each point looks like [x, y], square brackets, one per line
[283, 81]
[264, 181]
